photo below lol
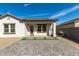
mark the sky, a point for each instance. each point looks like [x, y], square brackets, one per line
[61, 11]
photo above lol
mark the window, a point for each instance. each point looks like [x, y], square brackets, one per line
[12, 28]
[6, 28]
[41, 27]
[9, 28]
[44, 27]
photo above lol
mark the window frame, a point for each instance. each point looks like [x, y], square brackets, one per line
[42, 28]
[38, 29]
[6, 28]
[12, 28]
[9, 29]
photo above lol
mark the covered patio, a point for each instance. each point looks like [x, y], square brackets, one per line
[41, 28]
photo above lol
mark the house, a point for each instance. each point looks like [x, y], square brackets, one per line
[12, 26]
[69, 29]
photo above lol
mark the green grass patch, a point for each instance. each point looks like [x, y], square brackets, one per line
[39, 38]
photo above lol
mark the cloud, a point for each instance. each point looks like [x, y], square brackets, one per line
[34, 15]
[27, 4]
[39, 15]
[65, 12]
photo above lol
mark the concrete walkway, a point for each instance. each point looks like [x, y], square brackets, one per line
[69, 42]
[5, 42]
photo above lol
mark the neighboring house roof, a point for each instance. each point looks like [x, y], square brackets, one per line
[27, 19]
[69, 22]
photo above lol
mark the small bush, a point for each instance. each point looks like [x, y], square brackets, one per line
[44, 38]
[55, 38]
[24, 38]
[34, 38]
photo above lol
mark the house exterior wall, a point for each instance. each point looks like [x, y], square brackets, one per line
[76, 24]
[22, 29]
[36, 33]
[19, 27]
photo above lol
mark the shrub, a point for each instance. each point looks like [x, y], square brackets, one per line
[34, 38]
[24, 38]
[44, 38]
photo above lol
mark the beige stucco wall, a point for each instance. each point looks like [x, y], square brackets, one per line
[76, 24]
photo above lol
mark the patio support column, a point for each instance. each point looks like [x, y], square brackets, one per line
[54, 29]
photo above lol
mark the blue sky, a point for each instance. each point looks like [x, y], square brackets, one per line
[62, 11]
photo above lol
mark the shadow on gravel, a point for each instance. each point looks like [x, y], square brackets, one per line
[76, 41]
[72, 39]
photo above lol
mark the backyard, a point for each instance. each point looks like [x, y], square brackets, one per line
[54, 47]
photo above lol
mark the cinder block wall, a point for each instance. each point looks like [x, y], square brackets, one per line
[72, 33]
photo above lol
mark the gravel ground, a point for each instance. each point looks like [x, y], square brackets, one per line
[39, 48]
